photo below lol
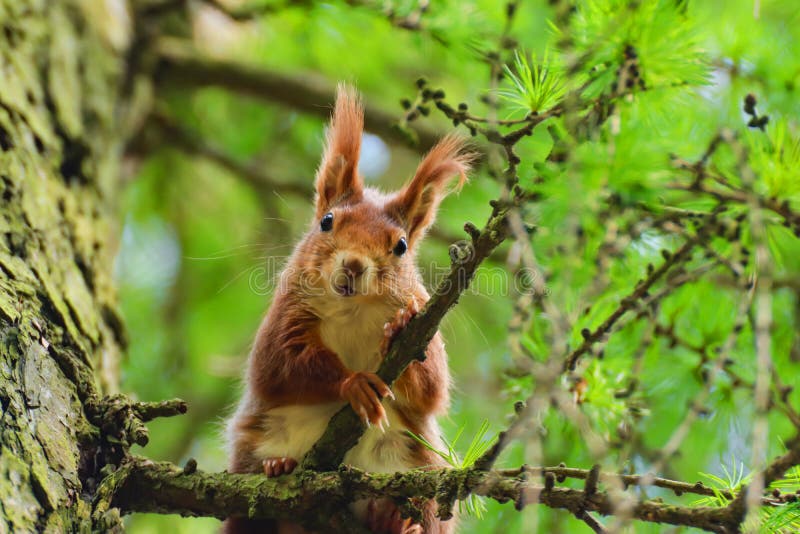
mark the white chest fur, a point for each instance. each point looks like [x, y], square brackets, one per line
[291, 431]
[354, 331]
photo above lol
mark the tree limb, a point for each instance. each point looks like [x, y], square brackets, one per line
[182, 65]
[189, 142]
[315, 496]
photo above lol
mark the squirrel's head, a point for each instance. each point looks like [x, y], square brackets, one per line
[362, 242]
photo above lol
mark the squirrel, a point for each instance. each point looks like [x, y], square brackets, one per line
[349, 286]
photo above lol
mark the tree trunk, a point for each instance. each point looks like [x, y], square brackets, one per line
[61, 87]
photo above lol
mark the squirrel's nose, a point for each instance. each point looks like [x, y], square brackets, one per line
[353, 267]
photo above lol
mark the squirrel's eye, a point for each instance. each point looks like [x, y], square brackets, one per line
[401, 247]
[326, 223]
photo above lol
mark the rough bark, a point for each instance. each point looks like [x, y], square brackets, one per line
[60, 333]
[318, 496]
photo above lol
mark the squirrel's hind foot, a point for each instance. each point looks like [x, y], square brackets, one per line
[275, 467]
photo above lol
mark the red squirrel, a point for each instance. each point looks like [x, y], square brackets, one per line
[350, 283]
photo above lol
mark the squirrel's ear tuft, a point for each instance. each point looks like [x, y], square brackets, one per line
[337, 176]
[417, 202]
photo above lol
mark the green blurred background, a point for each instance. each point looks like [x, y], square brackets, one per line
[200, 244]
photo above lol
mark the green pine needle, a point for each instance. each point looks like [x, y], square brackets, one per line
[473, 505]
[782, 519]
[536, 87]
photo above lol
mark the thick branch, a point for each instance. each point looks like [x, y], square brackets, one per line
[182, 65]
[346, 428]
[315, 496]
[255, 175]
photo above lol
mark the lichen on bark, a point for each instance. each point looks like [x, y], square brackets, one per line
[59, 339]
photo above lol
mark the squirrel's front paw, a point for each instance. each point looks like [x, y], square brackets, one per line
[384, 517]
[275, 467]
[364, 392]
[401, 319]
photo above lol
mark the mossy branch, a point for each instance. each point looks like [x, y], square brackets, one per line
[122, 419]
[316, 496]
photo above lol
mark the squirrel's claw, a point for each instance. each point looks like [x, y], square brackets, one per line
[364, 392]
[401, 319]
[363, 413]
[383, 424]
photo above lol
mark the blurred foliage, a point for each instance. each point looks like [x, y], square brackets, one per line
[201, 246]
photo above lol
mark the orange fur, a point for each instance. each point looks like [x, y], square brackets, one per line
[337, 176]
[294, 360]
[417, 202]
[292, 365]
